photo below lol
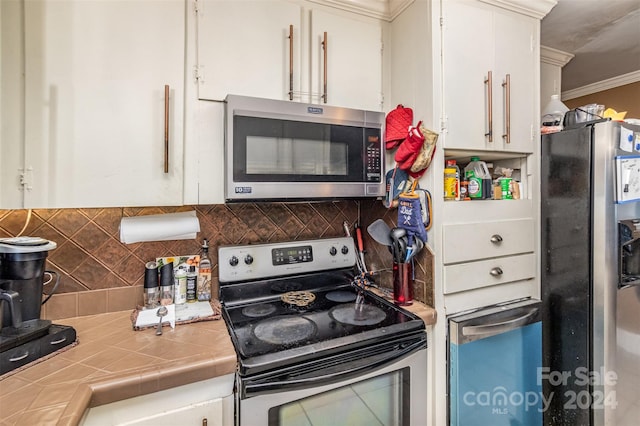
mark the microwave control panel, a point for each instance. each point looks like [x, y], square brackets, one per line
[373, 153]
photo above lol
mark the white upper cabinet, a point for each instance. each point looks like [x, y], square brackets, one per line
[353, 60]
[276, 49]
[244, 48]
[489, 63]
[97, 76]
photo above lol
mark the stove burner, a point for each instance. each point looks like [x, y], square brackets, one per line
[362, 315]
[341, 296]
[300, 299]
[285, 286]
[285, 329]
[257, 311]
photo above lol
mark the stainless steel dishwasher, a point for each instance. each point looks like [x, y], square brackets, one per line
[495, 365]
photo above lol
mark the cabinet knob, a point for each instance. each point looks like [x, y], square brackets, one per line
[496, 272]
[496, 238]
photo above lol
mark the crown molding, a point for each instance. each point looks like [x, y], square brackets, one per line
[380, 9]
[610, 83]
[534, 8]
[551, 56]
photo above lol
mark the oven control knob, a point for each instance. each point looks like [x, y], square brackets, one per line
[233, 261]
[345, 250]
[333, 251]
[248, 259]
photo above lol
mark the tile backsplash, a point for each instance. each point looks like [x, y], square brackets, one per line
[100, 274]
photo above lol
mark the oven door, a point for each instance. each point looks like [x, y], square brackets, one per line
[276, 150]
[364, 393]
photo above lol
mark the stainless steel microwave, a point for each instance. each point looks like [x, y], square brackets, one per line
[281, 150]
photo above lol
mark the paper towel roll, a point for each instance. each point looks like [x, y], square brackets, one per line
[159, 227]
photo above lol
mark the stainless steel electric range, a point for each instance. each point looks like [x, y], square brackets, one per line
[314, 345]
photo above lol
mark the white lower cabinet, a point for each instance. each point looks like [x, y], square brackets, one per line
[209, 402]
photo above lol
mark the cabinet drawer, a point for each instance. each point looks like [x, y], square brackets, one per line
[485, 273]
[19, 356]
[483, 240]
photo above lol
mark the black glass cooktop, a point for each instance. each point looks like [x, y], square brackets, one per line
[270, 328]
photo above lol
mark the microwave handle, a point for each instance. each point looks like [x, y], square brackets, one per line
[364, 365]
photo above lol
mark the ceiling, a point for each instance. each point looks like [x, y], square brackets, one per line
[604, 36]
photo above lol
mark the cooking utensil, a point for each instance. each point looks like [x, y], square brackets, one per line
[396, 235]
[360, 247]
[379, 231]
[161, 312]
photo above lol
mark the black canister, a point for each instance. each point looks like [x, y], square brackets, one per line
[151, 286]
[166, 284]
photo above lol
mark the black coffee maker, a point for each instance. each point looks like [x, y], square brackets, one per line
[24, 336]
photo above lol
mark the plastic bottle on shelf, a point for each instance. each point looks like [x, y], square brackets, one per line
[553, 115]
[477, 173]
[451, 181]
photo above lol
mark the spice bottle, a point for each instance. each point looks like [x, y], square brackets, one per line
[151, 287]
[204, 274]
[166, 284]
[192, 285]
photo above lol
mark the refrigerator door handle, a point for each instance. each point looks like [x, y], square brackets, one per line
[499, 327]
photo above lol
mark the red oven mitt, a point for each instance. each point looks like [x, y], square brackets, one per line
[397, 125]
[409, 148]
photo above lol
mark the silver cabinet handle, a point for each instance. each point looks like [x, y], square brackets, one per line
[324, 79]
[507, 100]
[166, 128]
[496, 272]
[290, 62]
[489, 83]
[496, 238]
[19, 358]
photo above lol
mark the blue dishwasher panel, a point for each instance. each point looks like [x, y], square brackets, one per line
[493, 380]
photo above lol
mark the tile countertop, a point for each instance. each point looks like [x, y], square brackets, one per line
[112, 362]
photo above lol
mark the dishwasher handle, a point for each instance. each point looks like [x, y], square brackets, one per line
[499, 327]
[493, 320]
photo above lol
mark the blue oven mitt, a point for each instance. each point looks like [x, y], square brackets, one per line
[410, 216]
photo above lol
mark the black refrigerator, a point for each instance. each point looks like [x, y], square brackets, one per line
[580, 210]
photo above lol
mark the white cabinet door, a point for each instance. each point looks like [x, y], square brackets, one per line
[478, 39]
[467, 60]
[244, 48]
[95, 119]
[515, 56]
[354, 60]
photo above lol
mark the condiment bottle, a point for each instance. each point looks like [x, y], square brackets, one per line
[204, 274]
[192, 285]
[151, 288]
[451, 181]
[180, 286]
[166, 284]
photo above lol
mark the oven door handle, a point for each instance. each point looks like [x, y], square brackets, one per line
[254, 388]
